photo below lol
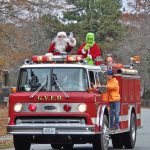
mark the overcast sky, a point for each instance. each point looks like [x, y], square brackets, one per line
[125, 2]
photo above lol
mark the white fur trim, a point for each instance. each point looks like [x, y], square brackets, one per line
[67, 40]
[60, 44]
[83, 51]
[90, 56]
[61, 34]
[72, 42]
[49, 54]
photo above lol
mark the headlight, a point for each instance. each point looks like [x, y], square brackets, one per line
[18, 107]
[82, 107]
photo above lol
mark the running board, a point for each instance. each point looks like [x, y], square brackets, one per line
[119, 131]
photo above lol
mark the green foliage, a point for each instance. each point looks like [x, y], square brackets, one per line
[53, 25]
[97, 16]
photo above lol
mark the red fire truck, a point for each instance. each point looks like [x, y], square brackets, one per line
[55, 103]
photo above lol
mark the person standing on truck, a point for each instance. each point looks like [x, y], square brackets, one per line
[113, 97]
[62, 43]
[90, 50]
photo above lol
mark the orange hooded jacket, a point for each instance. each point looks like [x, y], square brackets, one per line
[112, 94]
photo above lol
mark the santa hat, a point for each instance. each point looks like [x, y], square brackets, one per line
[110, 72]
[61, 34]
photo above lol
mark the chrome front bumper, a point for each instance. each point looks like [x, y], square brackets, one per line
[55, 129]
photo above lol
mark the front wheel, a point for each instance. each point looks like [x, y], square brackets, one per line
[68, 146]
[101, 142]
[117, 141]
[56, 146]
[130, 137]
[22, 142]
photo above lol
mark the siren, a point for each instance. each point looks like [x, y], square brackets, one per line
[56, 58]
[27, 61]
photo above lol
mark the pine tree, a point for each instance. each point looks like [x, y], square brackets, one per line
[98, 16]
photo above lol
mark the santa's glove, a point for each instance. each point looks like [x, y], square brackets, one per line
[89, 56]
[70, 35]
[72, 42]
[86, 47]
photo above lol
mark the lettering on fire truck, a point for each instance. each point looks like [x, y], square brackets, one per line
[52, 98]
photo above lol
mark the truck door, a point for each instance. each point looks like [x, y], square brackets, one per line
[94, 82]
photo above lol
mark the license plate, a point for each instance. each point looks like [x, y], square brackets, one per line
[49, 131]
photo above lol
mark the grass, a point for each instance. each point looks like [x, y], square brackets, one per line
[6, 144]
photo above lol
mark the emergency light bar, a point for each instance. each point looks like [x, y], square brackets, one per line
[136, 59]
[56, 58]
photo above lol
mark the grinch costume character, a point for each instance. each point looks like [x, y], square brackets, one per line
[62, 43]
[90, 50]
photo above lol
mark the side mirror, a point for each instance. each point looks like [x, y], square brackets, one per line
[5, 77]
[103, 78]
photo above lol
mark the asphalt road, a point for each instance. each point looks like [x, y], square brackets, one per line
[142, 143]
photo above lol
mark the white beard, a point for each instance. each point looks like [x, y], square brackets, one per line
[60, 44]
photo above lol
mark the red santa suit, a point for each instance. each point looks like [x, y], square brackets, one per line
[62, 43]
[94, 53]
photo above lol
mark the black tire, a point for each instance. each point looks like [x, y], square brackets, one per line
[22, 142]
[130, 137]
[68, 146]
[117, 141]
[56, 146]
[101, 142]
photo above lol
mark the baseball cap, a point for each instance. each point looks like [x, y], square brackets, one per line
[109, 72]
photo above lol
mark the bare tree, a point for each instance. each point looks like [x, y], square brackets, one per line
[21, 31]
[140, 6]
[136, 42]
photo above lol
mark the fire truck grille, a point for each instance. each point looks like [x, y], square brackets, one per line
[48, 120]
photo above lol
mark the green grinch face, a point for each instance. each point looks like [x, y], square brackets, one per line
[90, 38]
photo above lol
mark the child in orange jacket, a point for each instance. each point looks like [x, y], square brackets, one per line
[113, 97]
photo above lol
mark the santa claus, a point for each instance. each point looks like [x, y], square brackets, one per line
[62, 43]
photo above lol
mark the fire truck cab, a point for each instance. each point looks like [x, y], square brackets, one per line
[56, 103]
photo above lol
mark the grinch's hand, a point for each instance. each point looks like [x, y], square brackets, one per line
[87, 58]
[89, 61]
[86, 47]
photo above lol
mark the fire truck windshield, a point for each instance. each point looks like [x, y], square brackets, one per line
[69, 79]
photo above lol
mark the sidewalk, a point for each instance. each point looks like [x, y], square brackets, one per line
[6, 141]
